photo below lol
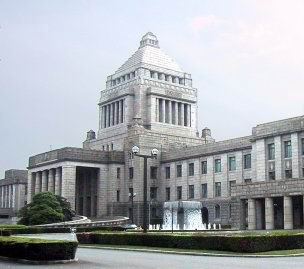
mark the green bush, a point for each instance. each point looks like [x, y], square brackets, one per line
[12, 226]
[37, 249]
[38, 230]
[235, 243]
[44, 209]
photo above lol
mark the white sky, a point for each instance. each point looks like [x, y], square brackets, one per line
[246, 59]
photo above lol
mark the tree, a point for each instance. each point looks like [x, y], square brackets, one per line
[66, 208]
[46, 208]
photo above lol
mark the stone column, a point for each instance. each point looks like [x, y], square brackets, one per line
[102, 193]
[38, 182]
[51, 184]
[13, 196]
[176, 113]
[189, 115]
[163, 110]
[295, 155]
[69, 183]
[113, 113]
[9, 196]
[58, 181]
[117, 112]
[104, 108]
[44, 181]
[288, 217]
[182, 114]
[269, 213]
[251, 214]
[30, 185]
[170, 112]
[101, 117]
[108, 115]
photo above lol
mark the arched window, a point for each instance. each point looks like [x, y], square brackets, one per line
[217, 212]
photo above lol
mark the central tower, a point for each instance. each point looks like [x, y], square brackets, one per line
[150, 90]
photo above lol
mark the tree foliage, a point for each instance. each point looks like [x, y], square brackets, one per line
[46, 208]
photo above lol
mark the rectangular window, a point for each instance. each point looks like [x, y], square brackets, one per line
[272, 175]
[247, 161]
[118, 195]
[302, 146]
[288, 173]
[118, 173]
[231, 184]
[153, 192]
[218, 189]
[179, 192]
[271, 151]
[287, 149]
[204, 190]
[131, 172]
[232, 164]
[191, 191]
[204, 167]
[247, 180]
[168, 194]
[153, 172]
[217, 164]
[179, 170]
[191, 169]
[168, 170]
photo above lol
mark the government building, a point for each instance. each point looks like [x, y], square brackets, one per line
[252, 182]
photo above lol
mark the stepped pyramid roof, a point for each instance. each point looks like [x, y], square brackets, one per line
[150, 53]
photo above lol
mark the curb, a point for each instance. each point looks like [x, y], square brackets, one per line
[24, 261]
[194, 253]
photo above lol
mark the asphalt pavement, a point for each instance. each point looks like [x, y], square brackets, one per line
[116, 259]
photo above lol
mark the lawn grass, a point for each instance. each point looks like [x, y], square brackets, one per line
[12, 226]
[197, 251]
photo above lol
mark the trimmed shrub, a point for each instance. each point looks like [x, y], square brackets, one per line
[37, 249]
[234, 243]
[39, 230]
[11, 226]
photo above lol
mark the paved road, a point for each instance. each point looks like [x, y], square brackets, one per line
[97, 258]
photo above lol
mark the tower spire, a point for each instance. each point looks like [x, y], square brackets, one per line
[149, 39]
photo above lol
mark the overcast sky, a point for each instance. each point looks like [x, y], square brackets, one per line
[246, 58]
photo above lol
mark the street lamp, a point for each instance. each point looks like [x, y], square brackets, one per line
[154, 153]
[132, 195]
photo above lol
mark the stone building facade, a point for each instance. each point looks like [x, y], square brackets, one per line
[150, 102]
[13, 193]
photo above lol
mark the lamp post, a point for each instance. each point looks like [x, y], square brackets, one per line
[154, 152]
[132, 195]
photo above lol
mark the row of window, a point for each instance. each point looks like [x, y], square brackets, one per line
[123, 78]
[204, 167]
[204, 170]
[168, 78]
[107, 147]
[287, 149]
[179, 191]
[287, 174]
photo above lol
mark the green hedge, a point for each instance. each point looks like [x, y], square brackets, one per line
[12, 226]
[38, 230]
[37, 249]
[235, 243]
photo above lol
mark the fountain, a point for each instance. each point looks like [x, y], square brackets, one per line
[183, 215]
